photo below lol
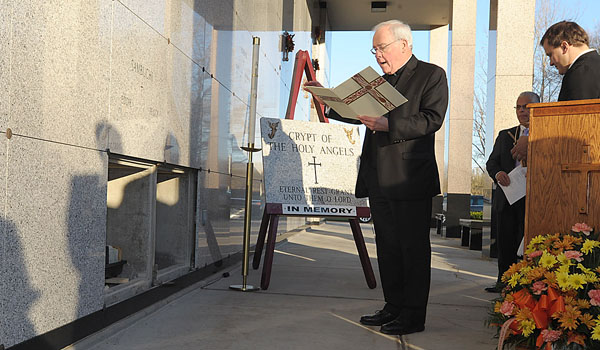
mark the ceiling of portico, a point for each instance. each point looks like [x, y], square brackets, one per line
[356, 15]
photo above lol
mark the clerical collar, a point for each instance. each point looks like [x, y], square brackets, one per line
[581, 54]
[394, 77]
[398, 71]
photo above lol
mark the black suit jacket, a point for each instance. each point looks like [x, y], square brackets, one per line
[582, 80]
[405, 155]
[501, 160]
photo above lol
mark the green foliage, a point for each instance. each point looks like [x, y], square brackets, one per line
[477, 215]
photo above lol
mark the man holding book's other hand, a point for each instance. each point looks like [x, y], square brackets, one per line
[399, 174]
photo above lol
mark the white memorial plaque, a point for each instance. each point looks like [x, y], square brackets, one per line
[311, 168]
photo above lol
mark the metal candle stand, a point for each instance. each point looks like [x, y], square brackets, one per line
[244, 287]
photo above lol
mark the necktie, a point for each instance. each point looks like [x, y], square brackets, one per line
[525, 132]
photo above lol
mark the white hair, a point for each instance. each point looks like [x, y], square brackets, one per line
[399, 29]
[533, 97]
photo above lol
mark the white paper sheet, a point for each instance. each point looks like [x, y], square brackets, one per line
[518, 183]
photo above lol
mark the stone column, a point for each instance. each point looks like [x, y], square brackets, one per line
[461, 114]
[511, 46]
[510, 72]
[438, 55]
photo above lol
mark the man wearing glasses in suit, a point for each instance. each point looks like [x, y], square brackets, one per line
[398, 172]
[509, 219]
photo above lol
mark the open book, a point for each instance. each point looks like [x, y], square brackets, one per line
[365, 93]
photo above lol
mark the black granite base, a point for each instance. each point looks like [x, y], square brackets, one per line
[458, 207]
[436, 207]
[465, 235]
[475, 239]
[489, 234]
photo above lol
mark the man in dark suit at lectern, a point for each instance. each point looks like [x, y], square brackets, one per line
[398, 172]
[567, 46]
[510, 219]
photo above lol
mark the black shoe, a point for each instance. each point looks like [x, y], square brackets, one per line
[401, 327]
[379, 318]
[494, 289]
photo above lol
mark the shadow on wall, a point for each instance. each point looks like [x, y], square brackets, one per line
[18, 295]
[86, 224]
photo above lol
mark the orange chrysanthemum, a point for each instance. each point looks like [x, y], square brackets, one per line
[567, 243]
[536, 274]
[514, 268]
[551, 279]
[524, 314]
[569, 318]
[583, 304]
[587, 320]
[497, 306]
[570, 300]
[576, 338]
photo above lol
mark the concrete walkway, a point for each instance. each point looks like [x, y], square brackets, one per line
[315, 299]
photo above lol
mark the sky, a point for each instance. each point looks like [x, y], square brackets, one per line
[350, 50]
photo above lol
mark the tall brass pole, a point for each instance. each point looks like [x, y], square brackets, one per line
[249, 170]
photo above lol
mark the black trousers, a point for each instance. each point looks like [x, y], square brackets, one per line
[510, 228]
[403, 251]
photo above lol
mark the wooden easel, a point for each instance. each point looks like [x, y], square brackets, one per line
[270, 218]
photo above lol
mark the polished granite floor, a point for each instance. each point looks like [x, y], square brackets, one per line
[316, 296]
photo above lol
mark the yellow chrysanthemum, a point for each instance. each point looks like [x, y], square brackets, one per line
[547, 260]
[577, 280]
[524, 281]
[527, 327]
[596, 329]
[562, 278]
[563, 269]
[536, 240]
[514, 279]
[589, 245]
[584, 269]
[591, 277]
[525, 270]
[596, 332]
[563, 259]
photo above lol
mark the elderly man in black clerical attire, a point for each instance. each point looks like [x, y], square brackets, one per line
[399, 174]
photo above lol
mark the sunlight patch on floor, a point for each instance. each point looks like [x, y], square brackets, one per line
[393, 338]
[293, 255]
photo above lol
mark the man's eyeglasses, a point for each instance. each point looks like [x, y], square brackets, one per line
[382, 48]
[517, 107]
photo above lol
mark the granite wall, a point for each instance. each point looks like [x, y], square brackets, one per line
[160, 81]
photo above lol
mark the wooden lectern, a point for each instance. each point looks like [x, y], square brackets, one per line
[563, 167]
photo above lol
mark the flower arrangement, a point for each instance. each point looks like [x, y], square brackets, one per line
[552, 297]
